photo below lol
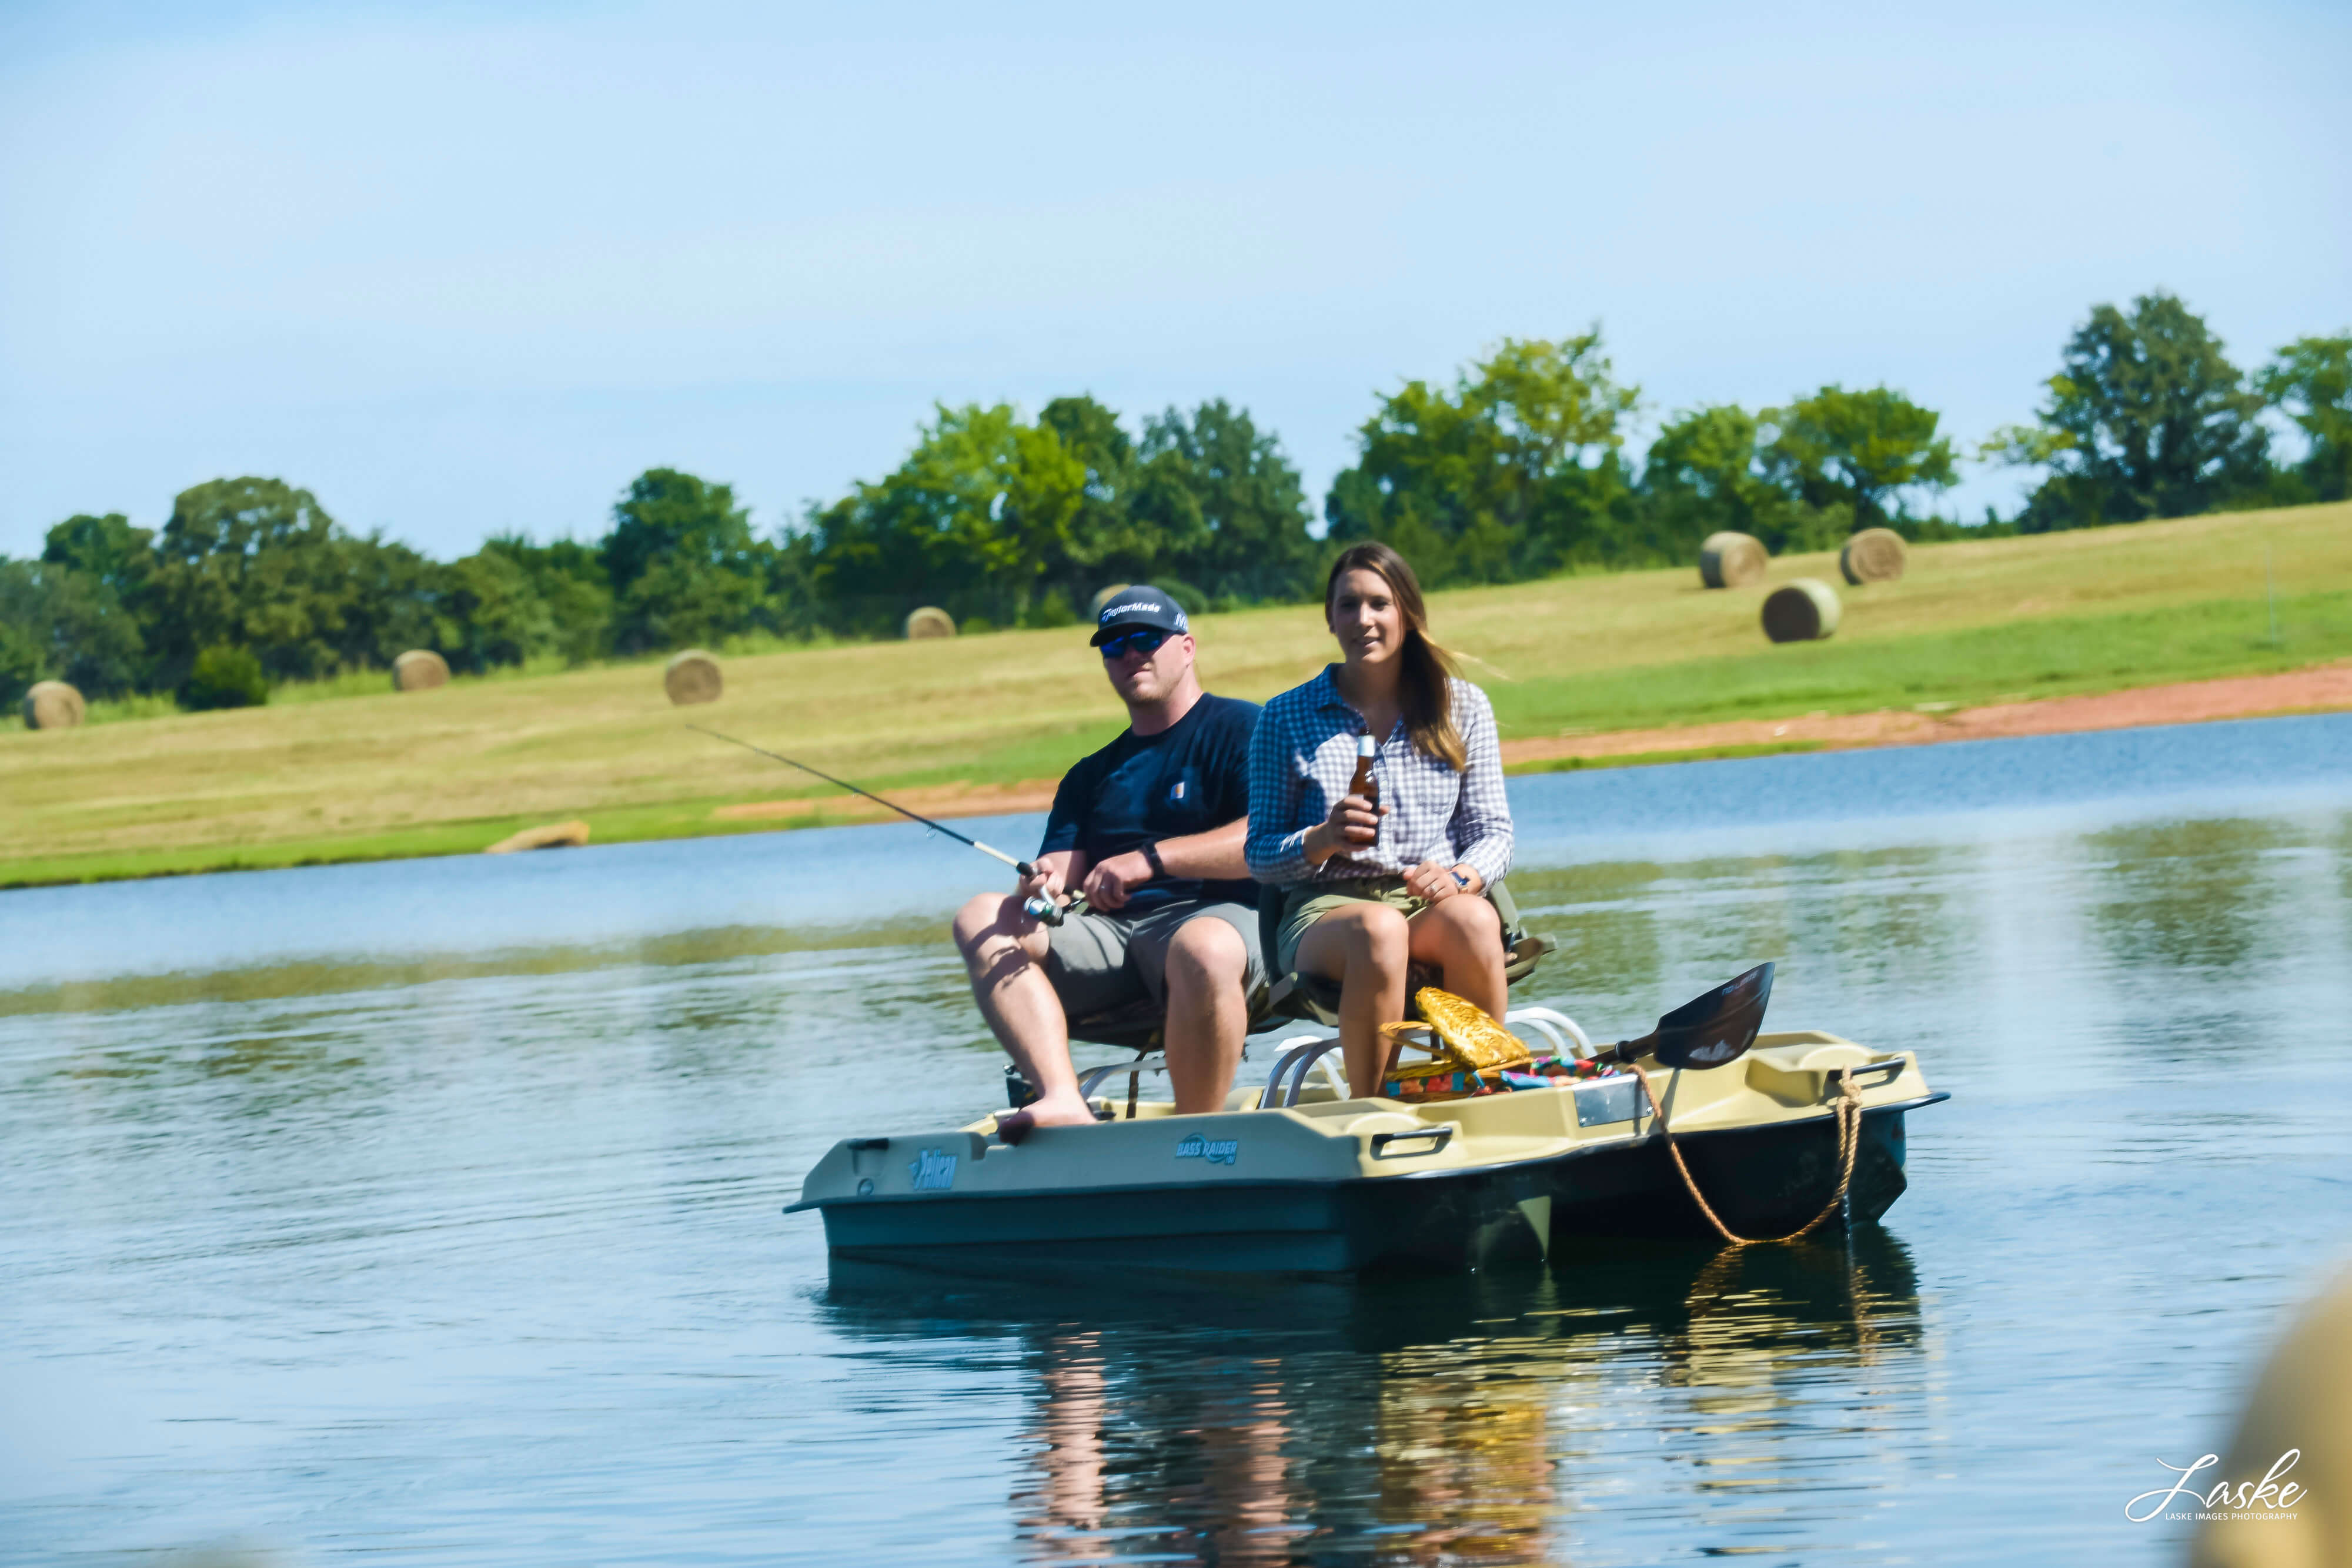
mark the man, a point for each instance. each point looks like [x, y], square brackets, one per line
[1151, 829]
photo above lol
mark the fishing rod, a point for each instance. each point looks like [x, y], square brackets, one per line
[1039, 907]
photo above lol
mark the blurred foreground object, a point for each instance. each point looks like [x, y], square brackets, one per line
[1731, 561]
[1804, 611]
[1874, 555]
[52, 704]
[930, 621]
[419, 669]
[2304, 1401]
[692, 676]
[554, 836]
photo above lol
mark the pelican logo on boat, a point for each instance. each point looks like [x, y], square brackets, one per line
[1216, 1151]
[931, 1171]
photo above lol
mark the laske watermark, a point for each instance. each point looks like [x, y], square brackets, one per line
[2272, 1498]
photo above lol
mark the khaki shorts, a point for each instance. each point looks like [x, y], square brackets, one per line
[1099, 961]
[1305, 904]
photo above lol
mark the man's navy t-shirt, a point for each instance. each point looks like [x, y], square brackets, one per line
[1190, 778]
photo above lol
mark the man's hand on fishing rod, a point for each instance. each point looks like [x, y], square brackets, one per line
[1050, 880]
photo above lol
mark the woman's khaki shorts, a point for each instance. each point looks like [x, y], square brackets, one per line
[1303, 905]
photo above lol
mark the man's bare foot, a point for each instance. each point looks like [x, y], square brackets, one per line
[1054, 1111]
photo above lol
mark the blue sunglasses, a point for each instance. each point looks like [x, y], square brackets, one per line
[1145, 642]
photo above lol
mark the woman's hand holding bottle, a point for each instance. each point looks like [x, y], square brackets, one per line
[1354, 824]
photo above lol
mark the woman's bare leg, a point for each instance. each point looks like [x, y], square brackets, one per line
[1366, 947]
[1463, 937]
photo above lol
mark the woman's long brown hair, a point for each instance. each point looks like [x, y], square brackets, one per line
[1423, 690]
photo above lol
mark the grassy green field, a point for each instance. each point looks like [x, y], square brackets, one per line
[353, 773]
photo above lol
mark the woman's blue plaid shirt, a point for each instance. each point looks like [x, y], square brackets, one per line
[1303, 754]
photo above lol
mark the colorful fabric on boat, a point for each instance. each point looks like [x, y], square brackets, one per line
[1463, 1035]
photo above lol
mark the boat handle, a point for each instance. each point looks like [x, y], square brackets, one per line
[1893, 1070]
[860, 1145]
[1443, 1136]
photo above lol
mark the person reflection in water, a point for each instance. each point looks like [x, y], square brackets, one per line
[1200, 1462]
[1407, 1436]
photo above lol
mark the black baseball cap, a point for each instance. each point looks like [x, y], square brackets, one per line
[1142, 605]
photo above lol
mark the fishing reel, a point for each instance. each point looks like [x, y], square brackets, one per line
[1041, 908]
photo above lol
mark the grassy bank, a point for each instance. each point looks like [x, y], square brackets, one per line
[378, 774]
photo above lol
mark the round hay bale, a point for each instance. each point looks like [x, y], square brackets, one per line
[1805, 610]
[1874, 555]
[52, 704]
[930, 621]
[1094, 609]
[691, 676]
[419, 669]
[1732, 561]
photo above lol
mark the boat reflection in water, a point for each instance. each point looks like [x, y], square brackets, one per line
[1679, 1397]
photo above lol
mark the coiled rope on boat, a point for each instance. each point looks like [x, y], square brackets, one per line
[1848, 1111]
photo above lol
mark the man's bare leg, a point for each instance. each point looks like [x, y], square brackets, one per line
[1208, 1016]
[1004, 951]
[1367, 948]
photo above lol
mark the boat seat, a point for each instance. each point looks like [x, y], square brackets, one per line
[1308, 998]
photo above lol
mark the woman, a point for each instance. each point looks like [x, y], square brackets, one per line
[1367, 891]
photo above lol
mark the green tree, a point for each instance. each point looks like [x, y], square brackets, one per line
[96, 588]
[568, 577]
[2147, 417]
[60, 623]
[1708, 472]
[24, 655]
[252, 563]
[1105, 539]
[221, 676]
[1227, 506]
[1861, 449]
[1004, 522]
[401, 599]
[1511, 472]
[2311, 382]
[684, 564]
[493, 612]
[978, 519]
[109, 548]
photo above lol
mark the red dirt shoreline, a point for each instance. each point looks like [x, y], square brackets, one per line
[2325, 688]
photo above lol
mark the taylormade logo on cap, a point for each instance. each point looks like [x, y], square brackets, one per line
[1140, 605]
[1146, 606]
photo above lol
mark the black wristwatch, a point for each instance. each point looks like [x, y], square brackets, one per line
[1151, 858]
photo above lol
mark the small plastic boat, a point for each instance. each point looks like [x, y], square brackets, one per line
[1763, 1134]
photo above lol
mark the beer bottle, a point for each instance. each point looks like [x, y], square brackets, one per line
[1366, 783]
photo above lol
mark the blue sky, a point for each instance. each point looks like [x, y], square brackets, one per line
[460, 270]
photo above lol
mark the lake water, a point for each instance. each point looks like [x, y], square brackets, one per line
[428, 1211]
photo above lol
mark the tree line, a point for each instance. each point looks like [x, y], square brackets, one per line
[1516, 469]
